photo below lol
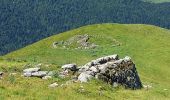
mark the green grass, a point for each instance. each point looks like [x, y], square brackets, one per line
[157, 1]
[147, 45]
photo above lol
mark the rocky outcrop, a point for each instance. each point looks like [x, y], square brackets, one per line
[109, 69]
[112, 70]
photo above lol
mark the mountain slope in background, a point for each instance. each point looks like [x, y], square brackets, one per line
[23, 22]
[147, 45]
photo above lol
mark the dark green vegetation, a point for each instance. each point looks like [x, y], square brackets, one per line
[23, 22]
[157, 1]
[147, 45]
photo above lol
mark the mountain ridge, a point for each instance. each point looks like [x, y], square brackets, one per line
[25, 22]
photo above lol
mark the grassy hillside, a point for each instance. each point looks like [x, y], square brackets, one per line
[157, 1]
[147, 45]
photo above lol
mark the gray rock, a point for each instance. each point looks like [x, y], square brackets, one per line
[31, 70]
[94, 69]
[83, 77]
[90, 73]
[72, 67]
[27, 74]
[39, 74]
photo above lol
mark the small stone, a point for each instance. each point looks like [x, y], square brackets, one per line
[115, 84]
[46, 77]
[147, 86]
[53, 85]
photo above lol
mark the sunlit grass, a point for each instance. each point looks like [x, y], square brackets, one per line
[147, 45]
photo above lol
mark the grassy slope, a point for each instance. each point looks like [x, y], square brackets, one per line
[157, 1]
[147, 45]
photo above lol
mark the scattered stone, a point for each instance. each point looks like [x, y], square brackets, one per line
[147, 86]
[53, 85]
[80, 40]
[46, 77]
[39, 74]
[72, 67]
[31, 70]
[35, 72]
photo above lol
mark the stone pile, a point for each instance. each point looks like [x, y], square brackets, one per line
[112, 70]
[36, 72]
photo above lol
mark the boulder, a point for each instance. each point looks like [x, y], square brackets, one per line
[72, 67]
[84, 77]
[31, 70]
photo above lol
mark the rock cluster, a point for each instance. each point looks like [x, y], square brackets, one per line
[36, 72]
[112, 70]
[78, 41]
